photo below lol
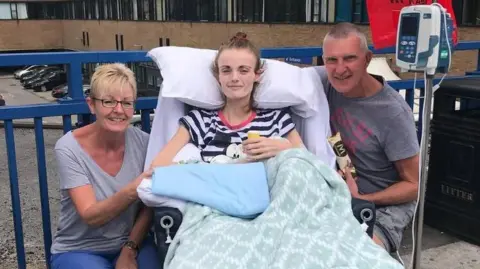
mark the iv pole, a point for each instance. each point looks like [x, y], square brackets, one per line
[427, 106]
[428, 94]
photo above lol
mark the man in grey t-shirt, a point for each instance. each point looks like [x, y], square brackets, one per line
[378, 130]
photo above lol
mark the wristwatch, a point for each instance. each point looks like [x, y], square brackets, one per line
[131, 245]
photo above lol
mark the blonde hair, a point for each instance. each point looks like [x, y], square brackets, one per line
[108, 76]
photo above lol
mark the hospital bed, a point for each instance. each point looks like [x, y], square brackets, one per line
[174, 102]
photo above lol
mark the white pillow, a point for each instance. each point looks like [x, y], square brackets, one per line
[187, 77]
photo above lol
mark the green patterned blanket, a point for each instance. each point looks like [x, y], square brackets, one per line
[309, 224]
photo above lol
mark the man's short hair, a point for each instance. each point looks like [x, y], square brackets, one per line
[345, 29]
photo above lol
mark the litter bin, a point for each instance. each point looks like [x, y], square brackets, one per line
[452, 201]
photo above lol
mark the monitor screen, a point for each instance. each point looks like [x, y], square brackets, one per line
[409, 26]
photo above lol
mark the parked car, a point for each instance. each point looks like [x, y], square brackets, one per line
[37, 73]
[62, 91]
[29, 84]
[50, 81]
[22, 72]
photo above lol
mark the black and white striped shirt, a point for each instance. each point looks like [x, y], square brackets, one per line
[213, 135]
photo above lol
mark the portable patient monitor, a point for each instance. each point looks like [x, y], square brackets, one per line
[424, 39]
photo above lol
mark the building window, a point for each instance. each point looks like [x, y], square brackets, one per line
[126, 10]
[205, 10]
[174, 10]
[145, 9]
[111, 10]
[78, 10]
[470, 14]
[248, 10]
[13, 11]
[285, 11]
[221, 10]
[68, 10]
[91, 9]
[360, 12]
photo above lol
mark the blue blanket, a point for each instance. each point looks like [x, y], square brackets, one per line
[239, 190]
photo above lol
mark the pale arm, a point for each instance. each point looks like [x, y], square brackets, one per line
[166, 155]
[406, 190]
[295, 139]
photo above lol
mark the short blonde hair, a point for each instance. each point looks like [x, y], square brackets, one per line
[107, 76]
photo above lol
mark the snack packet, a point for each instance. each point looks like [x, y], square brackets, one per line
[343, 160]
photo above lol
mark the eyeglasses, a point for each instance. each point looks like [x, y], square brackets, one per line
[113, 103]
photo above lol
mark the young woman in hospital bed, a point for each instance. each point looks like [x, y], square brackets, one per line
[249, 98]
[225, 135]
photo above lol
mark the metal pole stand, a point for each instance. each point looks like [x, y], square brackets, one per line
[418, 232]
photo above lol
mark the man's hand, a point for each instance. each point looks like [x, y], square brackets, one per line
[263, 147]
[127, 259]
[351, 182]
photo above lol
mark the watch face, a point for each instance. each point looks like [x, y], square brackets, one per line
[131, 245]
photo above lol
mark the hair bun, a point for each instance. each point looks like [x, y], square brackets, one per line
[239, 36]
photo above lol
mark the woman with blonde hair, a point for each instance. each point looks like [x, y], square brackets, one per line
[102, 223]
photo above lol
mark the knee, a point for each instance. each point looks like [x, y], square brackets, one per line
[379, 242]
[382, 239]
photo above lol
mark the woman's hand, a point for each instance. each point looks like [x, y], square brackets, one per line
[126, 259]
[134, 184]
[263, 147]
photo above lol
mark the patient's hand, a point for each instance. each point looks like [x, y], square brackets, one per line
[263, 147]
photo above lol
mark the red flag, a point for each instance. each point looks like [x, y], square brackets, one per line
[384, 15]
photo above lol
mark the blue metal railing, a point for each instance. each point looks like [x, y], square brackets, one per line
[76, 106]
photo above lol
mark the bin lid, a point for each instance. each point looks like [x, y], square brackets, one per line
[467, 87]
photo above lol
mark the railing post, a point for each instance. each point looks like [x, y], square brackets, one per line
[410, 97]
[15, 194]
[42, 181]
[75, 80]
[75, 88]
[478, 60]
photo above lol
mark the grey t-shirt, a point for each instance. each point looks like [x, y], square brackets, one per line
[77, 168]
[376, 130]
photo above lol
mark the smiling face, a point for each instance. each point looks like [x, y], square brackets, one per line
[346, 62]
[112, 115]
[237, 74]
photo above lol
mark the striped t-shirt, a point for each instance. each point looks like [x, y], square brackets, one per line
[213, 135]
